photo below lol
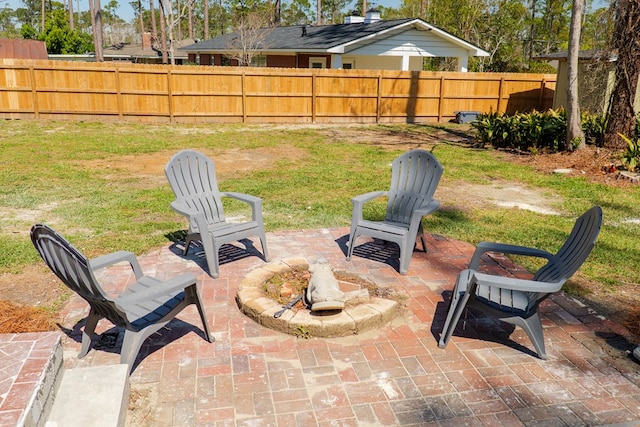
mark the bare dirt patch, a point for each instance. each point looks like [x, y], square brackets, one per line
[228, 162]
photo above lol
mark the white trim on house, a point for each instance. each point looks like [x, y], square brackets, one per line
[315, 60]
[408, 26]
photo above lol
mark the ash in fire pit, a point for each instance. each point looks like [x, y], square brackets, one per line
[340, 303]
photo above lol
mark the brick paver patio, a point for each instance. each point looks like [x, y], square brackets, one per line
[394, 376]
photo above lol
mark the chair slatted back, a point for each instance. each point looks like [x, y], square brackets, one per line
[73, 269]
[575, 250]
[192, 177]
[414, 178]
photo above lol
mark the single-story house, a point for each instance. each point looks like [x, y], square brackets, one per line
[143, 53]
[362, 42]
[596, 79]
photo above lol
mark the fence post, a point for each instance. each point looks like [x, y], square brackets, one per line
[244, 97]
[119, 93]
[379, 100]
[441, 99]
[500, 89]
[313, 96]
[34, 91]
[170, 93]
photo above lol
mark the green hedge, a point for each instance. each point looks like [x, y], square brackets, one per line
[535, 131]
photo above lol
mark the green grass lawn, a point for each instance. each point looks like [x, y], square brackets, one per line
[73, 176]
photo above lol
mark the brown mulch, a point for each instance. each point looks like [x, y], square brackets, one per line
[18, 318]
[596, 164]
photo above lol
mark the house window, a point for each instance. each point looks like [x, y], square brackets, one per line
[225, 60]
[317, 62]
[349, 64]
[259, 61]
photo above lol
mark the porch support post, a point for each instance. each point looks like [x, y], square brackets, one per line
[336, 61]
[405, 62]
[463, 64]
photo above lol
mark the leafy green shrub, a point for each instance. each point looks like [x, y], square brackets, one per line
[631, 156]
[593, 126]
[534, 131]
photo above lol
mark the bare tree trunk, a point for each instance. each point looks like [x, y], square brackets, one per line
[154, 28]
[575, 136]
[42, 13]
[170, 16]
[141, 19]
[71, 20]
[163, 35]
[277, 12]
[97, 32]
[205, 36]
[190, 18]
[96, 27]
[622, 115]
[319, 12]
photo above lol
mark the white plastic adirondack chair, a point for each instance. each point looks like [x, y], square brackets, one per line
[514, 300]
[192, 177]
[415, 176]
[142, 309]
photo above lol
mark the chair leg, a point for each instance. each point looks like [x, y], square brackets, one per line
[263, 241]
[533, 327]
[406, 253]
[351, 243]
[187, 243]
[421, 234]
[210, 253]
[193, 294]
[130, 347]
[458, 302]
[87, 333]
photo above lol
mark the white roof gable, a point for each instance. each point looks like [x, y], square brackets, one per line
[411, 41]
[415, 36]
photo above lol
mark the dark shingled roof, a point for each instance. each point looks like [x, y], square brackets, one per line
[290, 38]
[583, 55]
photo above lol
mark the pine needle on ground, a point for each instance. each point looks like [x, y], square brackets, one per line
[15, 319]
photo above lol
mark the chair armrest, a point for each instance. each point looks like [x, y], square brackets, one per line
[165, 288]
[183, 209]
[114, 258]
[426, 209]
[359, 201]
[363, 198]
[422, 211]
[248, 198]
[253, 201]
[515, 284]
[484, 247]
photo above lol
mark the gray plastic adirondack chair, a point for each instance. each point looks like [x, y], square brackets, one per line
[142, 309]
[192, 177]
[414, 178]
[516, 301]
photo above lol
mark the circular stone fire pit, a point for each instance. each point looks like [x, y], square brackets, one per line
[362, 311]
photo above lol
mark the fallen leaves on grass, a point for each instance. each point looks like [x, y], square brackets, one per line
[15, 319]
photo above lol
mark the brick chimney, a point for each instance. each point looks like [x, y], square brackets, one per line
[146, 41]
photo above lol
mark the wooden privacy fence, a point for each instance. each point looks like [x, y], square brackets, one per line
[78, 90]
